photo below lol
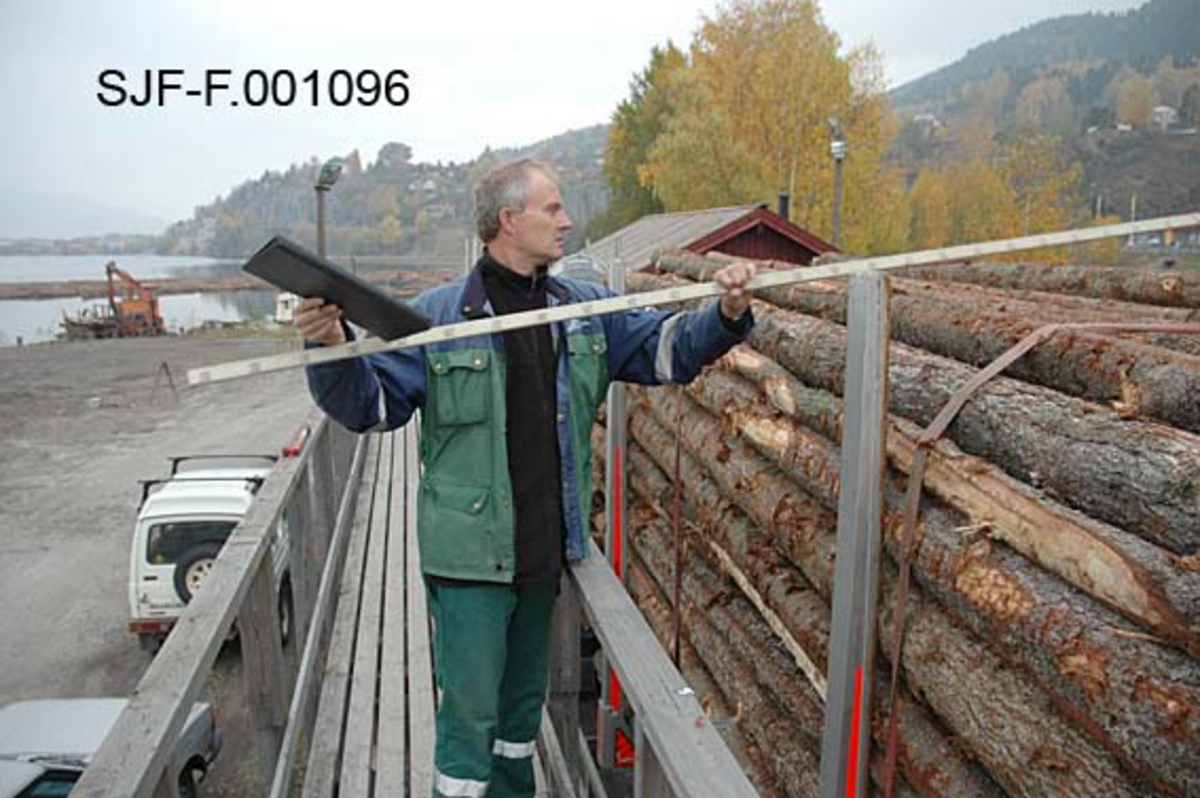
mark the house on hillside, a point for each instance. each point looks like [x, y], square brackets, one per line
[748, 231]
[1163, 117]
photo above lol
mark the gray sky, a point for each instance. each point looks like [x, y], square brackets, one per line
[480, 74]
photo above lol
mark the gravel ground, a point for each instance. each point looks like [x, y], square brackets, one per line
[80, 424]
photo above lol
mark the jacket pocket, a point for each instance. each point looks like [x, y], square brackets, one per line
[588, 366]
[460, 386]
[456, 528]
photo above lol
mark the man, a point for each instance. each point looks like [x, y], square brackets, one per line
[505, 444]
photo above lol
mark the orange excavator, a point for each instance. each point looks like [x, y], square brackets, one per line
[136, 307]
[132, 311]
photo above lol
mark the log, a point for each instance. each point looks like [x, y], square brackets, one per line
[1009, 723]
[926, 758]
[1043, 306]
[1138, 579]
[721, 637]
[1143, 286]
[732, 634]
[1140, 380]
[1097, 668]
[1047, 308]
[657, 610]
[1139, 476]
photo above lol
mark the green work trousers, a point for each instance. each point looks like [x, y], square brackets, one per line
[492, 663]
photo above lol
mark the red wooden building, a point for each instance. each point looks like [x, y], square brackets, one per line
[749, 231]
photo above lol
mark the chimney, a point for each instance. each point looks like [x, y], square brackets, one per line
[784, 202]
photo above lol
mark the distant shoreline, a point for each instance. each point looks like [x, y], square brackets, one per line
[412, 282]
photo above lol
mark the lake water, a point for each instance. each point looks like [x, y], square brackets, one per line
[38, 319]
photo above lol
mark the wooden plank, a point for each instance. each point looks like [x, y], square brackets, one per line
[391, 763]
[565, 679]
[325, 499]
[359, 738]
[649, 781]
[263, 674]
[594, 785]
[856, 578]
[420, 653]
[303, 566]
[302, 715]
[135, 753]
[551, 753]
[325, 749]
[692, 754]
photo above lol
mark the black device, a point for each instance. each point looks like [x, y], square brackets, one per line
[285, 264]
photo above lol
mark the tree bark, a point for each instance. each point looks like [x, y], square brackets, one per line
[1140, 380]
[1143, 286]
[1138, 579]
[1007, 722]
[779, 720]
[657, 611]
[1042, 306]
[1139, 476]
[728, 631]
[926, 758]
[1098, 670]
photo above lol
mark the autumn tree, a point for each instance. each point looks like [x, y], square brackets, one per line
[1045, 105]
[962, 202]
[1045, 184]
[930, 205]
[1135, 98]
[636, 125]
[750, 115]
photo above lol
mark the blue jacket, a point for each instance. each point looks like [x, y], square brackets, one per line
[465, 516]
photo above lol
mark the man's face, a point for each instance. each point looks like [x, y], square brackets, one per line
[539, 229]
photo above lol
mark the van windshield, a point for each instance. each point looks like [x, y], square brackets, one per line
[166, 543]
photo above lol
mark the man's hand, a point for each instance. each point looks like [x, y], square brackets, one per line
[733, 279]
[319, 322]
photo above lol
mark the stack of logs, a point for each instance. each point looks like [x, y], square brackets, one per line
[1052, 636]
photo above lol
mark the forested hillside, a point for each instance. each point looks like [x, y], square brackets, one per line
[391, 205]
[1097, 45]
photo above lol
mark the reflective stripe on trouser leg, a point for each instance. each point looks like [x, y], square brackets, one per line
[523, 692]
[470, 641]
[451, 787]
[510, 750]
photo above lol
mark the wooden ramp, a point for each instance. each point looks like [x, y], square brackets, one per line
[374, 727]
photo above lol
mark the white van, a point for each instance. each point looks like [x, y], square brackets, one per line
[182, 523]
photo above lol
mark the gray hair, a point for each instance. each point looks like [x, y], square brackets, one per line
[506, 186]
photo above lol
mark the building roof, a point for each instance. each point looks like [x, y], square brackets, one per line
[636, 243]
[699, 231]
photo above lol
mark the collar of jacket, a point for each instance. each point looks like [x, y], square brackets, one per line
[474, 304]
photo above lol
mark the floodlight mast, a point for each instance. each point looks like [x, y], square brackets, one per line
[330, 172]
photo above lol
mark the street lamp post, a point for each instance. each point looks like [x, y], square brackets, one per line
[837, 148]
[329, 175]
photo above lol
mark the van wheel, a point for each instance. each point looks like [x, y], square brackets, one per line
[151, 642]
[187, 784]
[192, 567]
[287, 622]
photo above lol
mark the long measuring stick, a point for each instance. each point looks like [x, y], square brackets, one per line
[666, 296]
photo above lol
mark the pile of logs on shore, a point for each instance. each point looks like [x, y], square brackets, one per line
[1052, 634]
